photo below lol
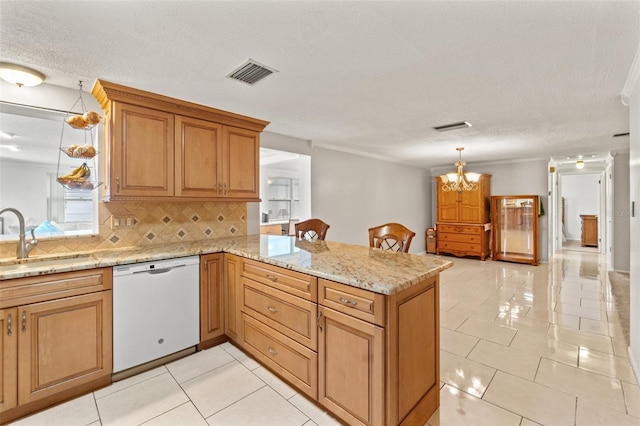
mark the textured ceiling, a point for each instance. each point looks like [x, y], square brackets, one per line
[535, 79]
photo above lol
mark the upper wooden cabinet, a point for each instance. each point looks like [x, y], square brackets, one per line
[158, 147]
[465, 206]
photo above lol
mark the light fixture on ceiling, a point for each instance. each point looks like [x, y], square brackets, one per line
[19, 75]
[580, 164]
[460, 181]
[453, 126]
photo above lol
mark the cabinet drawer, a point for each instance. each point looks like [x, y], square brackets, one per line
[363, 304]
[291, 360]
[471, 249]
[22, 291]
[292, 282]
[290, 315]
[460, 238]
[460, 229]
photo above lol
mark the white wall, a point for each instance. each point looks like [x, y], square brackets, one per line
[353, 193]
[526, 177]
[581, 196]
[634, 222]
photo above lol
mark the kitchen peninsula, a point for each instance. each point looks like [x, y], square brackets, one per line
[356, 329]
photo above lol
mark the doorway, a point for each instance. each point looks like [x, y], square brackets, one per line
[576, 192]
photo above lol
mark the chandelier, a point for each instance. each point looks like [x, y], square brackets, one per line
[460, 181]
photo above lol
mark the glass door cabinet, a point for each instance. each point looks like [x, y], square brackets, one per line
[515, 228]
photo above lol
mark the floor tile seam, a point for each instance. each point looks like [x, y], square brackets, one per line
[603, 375]
[626, 405]
[188, 401]
[200, 375]
[204, 372]
[484, 400]
[584, 371]
[133, 384]
[246, 396]
[540, 384]
[95, 403]
[499, 369]
[327, 412]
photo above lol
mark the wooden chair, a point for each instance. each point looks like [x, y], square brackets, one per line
[311, 229]
[391, 236]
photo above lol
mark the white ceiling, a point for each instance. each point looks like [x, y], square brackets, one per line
[535, 79]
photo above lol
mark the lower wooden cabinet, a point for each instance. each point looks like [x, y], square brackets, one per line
[351, 368]
[231, 296]
[211, 297]
[368, 358]
[54, 349]
[463, 239]
[589, 235]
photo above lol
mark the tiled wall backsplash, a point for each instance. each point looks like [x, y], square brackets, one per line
[154, 222]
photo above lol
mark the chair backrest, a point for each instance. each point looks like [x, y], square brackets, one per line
[311, 229]
[391, 236]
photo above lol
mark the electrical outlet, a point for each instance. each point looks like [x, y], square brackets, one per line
[122, 222]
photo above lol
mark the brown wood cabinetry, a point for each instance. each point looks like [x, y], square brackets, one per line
[279, 311]
[56, 340]
[369, 358]
[211, 298]
[158, 147]
[463, 224]
[231, 296]
[589, 230]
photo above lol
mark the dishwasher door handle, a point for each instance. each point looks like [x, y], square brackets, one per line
[158, 271]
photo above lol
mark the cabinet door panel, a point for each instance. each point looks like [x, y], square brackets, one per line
[198, 155]
[351, 382]
[63, 343]
[142, 162]
[241, 152]
[8, 366]
[231, 293]
[448, 205]
[211, 277]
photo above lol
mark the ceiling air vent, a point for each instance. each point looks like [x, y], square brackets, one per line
[251, 72]
[619, 135]
[452, 126]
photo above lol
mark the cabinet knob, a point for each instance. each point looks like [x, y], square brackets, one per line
[272, 277]
[271, 350]
[272, 309]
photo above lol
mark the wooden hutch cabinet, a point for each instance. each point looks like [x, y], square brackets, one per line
[589, 230]
[463, 223]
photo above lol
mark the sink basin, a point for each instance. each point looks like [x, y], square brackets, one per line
[42, 262]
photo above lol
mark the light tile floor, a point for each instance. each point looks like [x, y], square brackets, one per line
[521, 345]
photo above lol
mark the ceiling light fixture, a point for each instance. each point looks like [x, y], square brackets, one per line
[453, 126]
[14, 148]
[19, 75]
[580, 164]
[460, 181]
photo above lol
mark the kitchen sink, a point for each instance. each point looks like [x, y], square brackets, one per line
[42, 262]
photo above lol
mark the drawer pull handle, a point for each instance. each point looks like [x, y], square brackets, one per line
[9, 325]
[271, 350]
[347, 301]
[272, 277]
[319, 320]
[272, 309]
[24, 321]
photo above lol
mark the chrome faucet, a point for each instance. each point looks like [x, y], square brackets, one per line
[24, 247]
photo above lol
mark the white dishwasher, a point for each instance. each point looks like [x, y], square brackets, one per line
[155, 310]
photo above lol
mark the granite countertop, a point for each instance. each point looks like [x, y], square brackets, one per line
[359, 266]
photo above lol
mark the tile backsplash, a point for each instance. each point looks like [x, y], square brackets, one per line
[153, 222]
